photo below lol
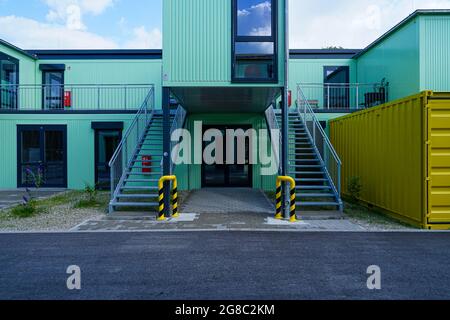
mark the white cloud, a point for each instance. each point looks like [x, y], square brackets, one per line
[30, 34]
[70, 12]
[350, 24]
[141, 38]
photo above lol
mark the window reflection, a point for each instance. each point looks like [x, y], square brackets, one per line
[254, 18]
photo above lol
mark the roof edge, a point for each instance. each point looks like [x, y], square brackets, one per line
[400, 25]
[17, 49]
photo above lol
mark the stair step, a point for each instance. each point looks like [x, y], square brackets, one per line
[309, 172]
[317, 204]
[306, 166]
[312, 180]
[308, 187]
[138, 188]
[315, 195]
[145, 167]
[134, 204]
[131, 196]
[144, 173]
[141, 180]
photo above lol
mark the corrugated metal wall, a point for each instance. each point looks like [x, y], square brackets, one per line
[197, 41]
[386, 148]
[435, 53]
[439, 161]
[396, 59]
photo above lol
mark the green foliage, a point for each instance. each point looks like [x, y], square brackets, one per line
[25, 210]
[90, 198]
[354, 188]
[91, 192]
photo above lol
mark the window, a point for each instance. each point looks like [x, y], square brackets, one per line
[42, 151]
[9, 81]
[336, 89]
[254, 41]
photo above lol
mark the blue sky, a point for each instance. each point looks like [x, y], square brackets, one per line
[72, 24]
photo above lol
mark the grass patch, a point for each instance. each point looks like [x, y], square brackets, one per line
[25, 210]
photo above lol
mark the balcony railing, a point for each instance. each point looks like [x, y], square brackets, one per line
[72, 97]
[342, 96]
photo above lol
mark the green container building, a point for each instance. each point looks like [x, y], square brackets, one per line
[106, 117]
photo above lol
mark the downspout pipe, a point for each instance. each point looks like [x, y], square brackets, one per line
[285, 110]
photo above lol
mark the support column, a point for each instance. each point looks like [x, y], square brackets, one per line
[285, 148]
[166, 147]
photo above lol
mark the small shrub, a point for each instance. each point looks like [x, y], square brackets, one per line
[29, 206]
[354, 188]
[90, 198]
[91, 193]
[25, 210]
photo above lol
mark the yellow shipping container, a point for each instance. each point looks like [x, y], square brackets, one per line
[401, 153]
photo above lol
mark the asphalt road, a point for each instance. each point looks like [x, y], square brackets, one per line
[225, 265]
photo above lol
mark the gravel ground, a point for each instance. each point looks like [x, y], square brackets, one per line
[58, 214]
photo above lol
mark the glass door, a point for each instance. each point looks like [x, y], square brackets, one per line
[106, 143]
[53, 95]
[9, 80]
[234, 174]
[42, 156]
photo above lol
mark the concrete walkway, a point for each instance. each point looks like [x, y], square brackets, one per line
[218, 210]
[227, 200]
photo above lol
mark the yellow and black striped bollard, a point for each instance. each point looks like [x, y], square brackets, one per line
[279, 196]
[175, 213]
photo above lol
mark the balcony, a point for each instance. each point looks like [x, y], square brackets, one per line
[80, 98]
[336, 97]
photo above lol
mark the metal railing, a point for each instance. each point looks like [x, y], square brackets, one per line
[128, 147]
[272, 123]
[323, 147]
[344, 96]
[178, 123]
[72, 97]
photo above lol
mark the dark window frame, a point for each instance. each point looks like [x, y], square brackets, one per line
[339, 102]
[4, 56]
[41, 128]
[235, 38]
[227, 183]
[44, 84]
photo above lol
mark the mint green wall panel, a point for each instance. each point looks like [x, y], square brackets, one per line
[27, 74]
[80, 145]
[197, 43]
[189, 176]
[312, 71]
[396, 58]
[435, 53]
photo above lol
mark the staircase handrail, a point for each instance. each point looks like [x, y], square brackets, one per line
[272, 123]
[136, 130]
[307, 114]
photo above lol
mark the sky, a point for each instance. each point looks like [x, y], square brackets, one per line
[137, 24]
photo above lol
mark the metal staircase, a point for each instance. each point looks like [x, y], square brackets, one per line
[139, 186]
[136, 166]
[315, 186]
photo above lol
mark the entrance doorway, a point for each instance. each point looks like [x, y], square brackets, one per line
[228, 175]
[42, 154]
[106, 143]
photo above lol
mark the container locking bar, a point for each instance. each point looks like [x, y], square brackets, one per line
[164, 179]
[279, 197]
